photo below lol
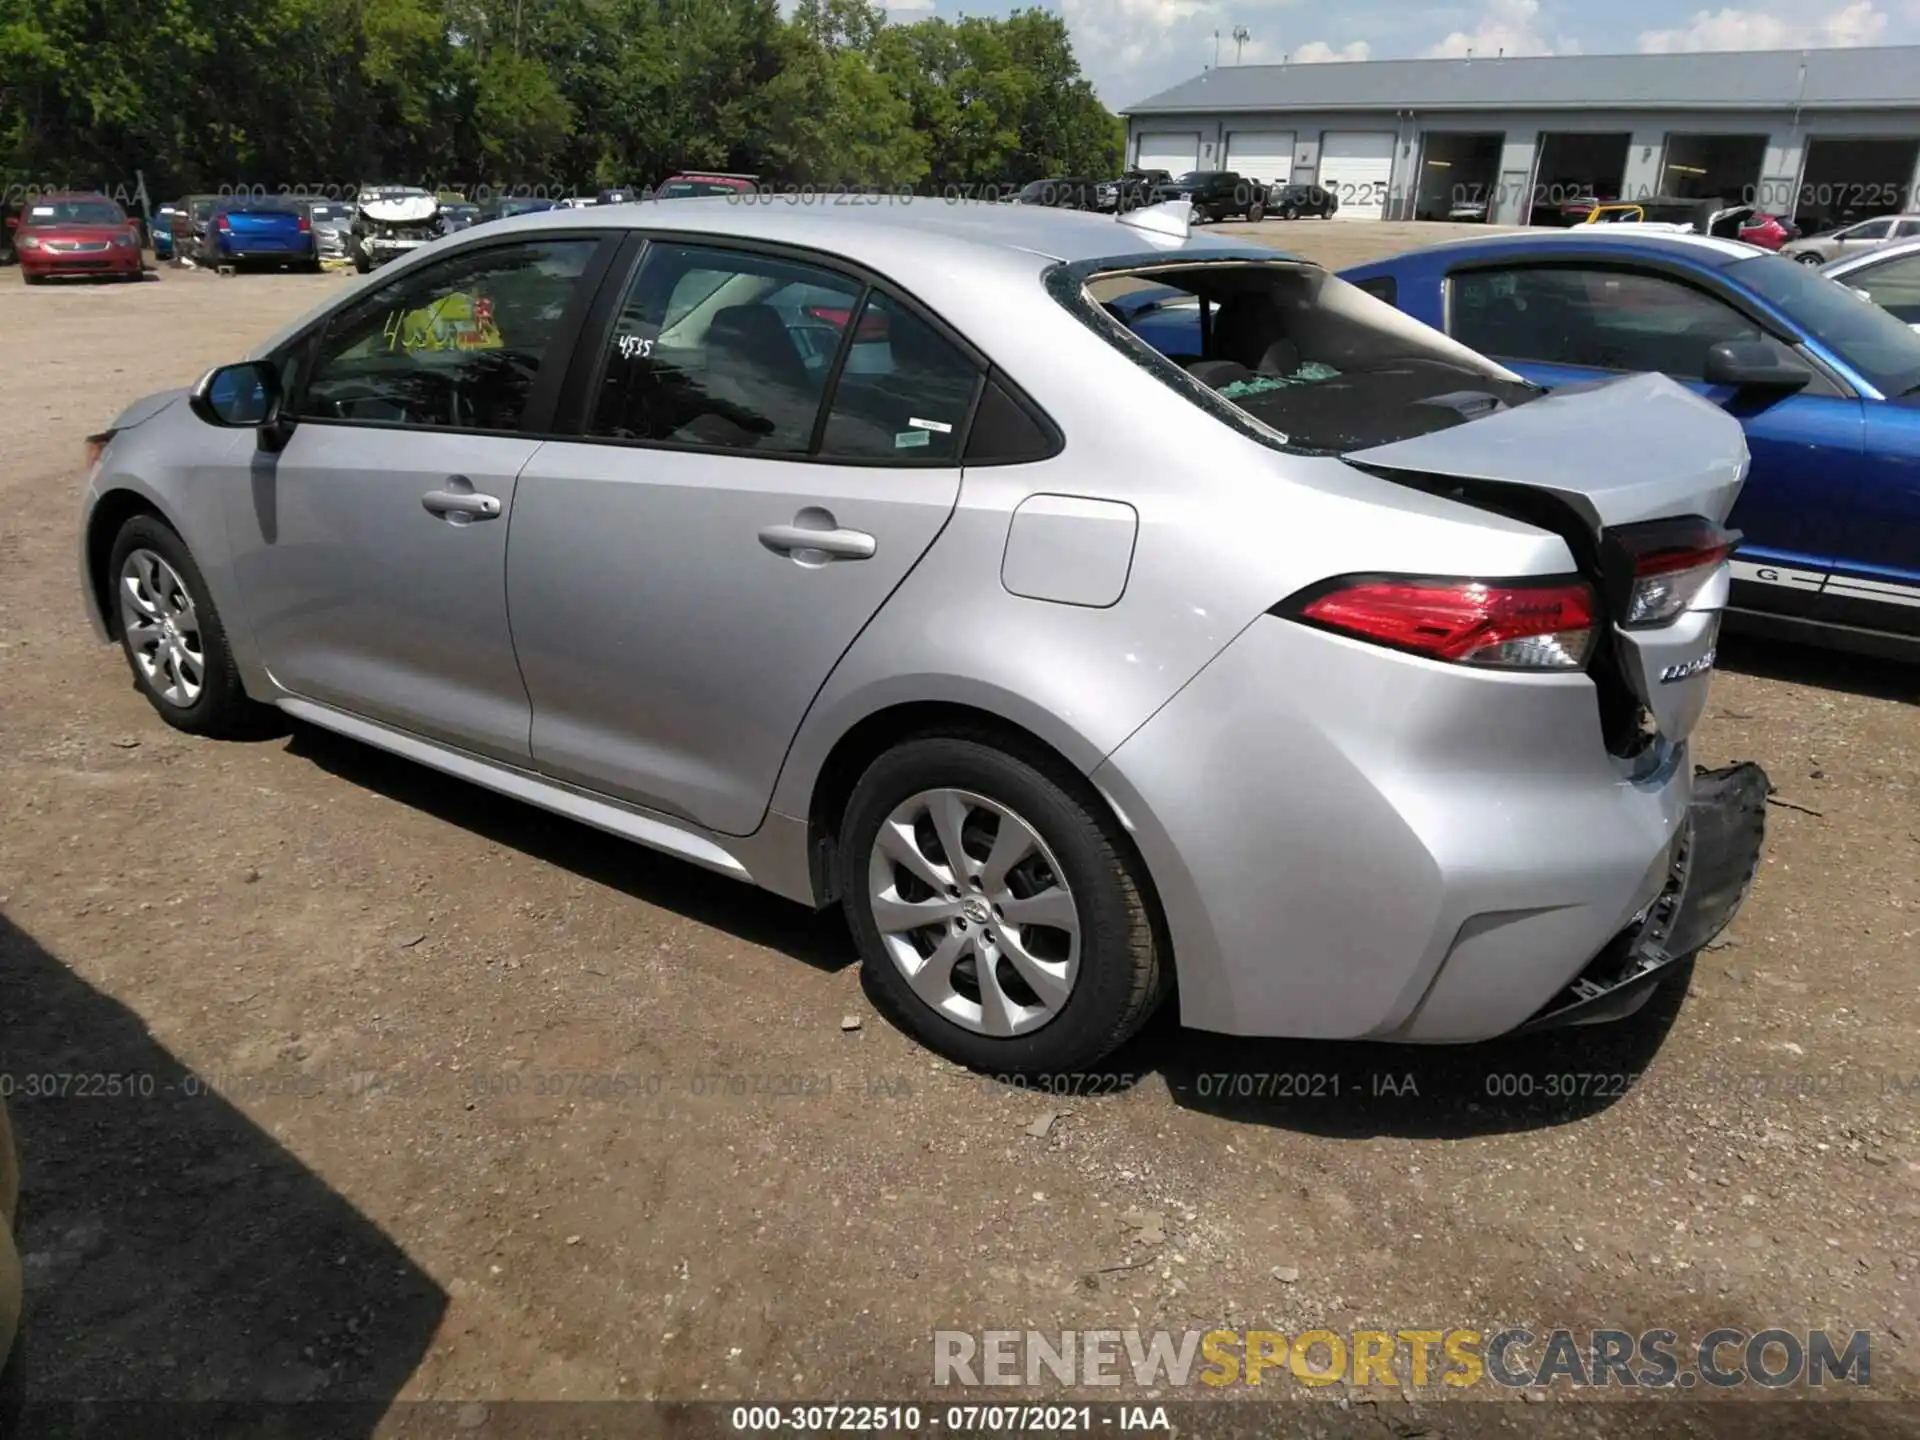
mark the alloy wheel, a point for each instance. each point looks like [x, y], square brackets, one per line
[162, 628]
[974, 912]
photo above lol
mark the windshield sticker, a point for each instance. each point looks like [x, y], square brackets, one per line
[908, 439]
[41, 212]
[453, 322]
[939, 427]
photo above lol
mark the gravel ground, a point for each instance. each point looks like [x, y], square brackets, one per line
[431, 1096]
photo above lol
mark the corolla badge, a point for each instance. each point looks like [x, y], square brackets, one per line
[1687, 669]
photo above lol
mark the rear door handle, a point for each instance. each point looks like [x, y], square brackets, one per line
[459, 503]
[798, 540]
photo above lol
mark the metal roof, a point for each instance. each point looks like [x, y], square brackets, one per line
[1836, 79]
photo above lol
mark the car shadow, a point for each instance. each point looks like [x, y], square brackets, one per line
[1772, 659]
[1335, 1088]
[1356, 1089]
[183, 1269]
[816, 938]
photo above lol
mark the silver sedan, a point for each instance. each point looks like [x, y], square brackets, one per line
[1095, 610]
[1851, 239]
[1888, 275]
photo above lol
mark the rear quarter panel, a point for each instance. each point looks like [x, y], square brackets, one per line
[1227, 528]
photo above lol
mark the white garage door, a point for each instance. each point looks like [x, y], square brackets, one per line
[1263, 155]
[1357, 165]
[1174, 151]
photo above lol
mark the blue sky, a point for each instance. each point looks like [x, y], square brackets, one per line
[1132, 48]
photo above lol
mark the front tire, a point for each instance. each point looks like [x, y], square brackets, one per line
[1256, 213]
[1808, 257]
[172, 636]
[1000, 915]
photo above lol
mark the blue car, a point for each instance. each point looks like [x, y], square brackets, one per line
[243, 232]
[160, 231]
[1826, 385]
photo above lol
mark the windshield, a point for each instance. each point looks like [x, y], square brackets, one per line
[682, 189]
[1321, 365]
[1884, 350]
[75, 212]
[321, 210]
[1192, 177]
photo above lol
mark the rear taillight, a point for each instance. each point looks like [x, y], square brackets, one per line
[305, 224]
[1498, 624]
[221, 223]
[1657, 569]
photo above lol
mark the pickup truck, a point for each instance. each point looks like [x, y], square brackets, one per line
[1215, 194]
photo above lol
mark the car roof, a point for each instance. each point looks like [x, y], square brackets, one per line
[973, 254]
[897, 226]
[1861, 260]
[1707, 250]
[68, 197]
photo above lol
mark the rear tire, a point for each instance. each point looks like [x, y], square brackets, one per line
[977, 982]
[1256, 213]
[1808, 257]
[173, 638]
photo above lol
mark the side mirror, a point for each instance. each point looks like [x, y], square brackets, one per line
[1754, 365]
[238, 397]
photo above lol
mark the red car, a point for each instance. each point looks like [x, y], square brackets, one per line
[705, 182]
[76, 235]
[1769, 232]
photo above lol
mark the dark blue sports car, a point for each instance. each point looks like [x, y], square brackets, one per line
[1826, 384]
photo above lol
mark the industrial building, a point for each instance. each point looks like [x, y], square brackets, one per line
[1824, 136]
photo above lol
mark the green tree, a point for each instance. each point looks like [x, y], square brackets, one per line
[560, 93]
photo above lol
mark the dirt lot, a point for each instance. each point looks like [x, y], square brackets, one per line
[365, 1145]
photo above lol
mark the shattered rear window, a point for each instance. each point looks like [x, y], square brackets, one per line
[1317, 364]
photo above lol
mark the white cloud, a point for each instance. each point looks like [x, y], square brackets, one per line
[1319, 52]
[1507, 27]
[1860, 22]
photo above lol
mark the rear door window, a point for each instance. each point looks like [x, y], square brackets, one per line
[723, 348]
[904, 394]
[1604, 319]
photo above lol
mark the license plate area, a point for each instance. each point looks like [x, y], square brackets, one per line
[1714, 862]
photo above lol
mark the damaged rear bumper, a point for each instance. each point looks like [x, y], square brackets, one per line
[1713, 864]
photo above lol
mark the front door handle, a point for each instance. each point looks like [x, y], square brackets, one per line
[818, 542]
[459, 503]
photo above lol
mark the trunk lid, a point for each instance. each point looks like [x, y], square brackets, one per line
[266, 229]
[1589, 462]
